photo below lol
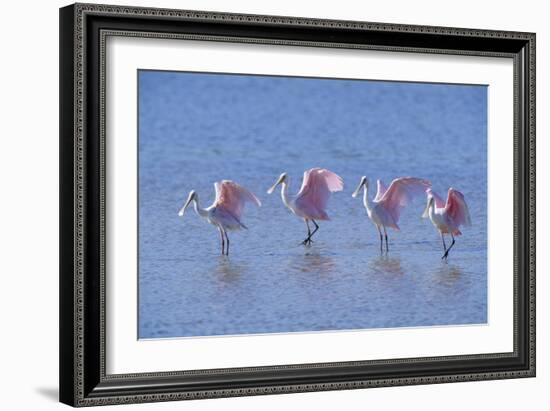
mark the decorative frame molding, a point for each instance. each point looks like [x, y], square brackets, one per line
[83, 32]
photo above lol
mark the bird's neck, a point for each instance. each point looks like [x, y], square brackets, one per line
[366, 199]
[431, 210]
[200, 211]
[284, 194]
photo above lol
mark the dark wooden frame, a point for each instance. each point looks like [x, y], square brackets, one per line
[83, 29]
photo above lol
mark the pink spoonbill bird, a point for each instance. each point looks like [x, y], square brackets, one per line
[448, 216]
[311, 201]
[226, 211]
[384, 210]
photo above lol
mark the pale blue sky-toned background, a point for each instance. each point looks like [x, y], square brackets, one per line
[195, 129]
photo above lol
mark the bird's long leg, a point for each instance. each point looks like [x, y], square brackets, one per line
[223, 240]
[308, 238]
[386, 236]
[451, 246]
[381, 239]
[444, 245]
[227, 241]
[315, 230]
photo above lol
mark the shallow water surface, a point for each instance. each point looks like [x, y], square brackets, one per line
[195, 129]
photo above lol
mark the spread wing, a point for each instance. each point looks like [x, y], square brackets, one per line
[400, 192]
[231, 197]
[317, 185]
[457, 208]
[439, 202]
[381, 189]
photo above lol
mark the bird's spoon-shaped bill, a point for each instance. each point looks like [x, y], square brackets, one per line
[279, 181]
[358, 189]
[272, 188]
[189, 199]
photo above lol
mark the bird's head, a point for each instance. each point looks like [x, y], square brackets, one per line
[192, 196]
[282, 178]
[364, 182]
[430, 201]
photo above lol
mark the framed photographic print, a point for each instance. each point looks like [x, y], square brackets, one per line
[261, 204]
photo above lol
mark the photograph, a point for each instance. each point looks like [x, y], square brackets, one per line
[258, 201]
[281, 204]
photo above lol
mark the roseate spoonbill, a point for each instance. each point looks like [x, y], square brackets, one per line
[311, 201]
[386, 207]
[226, 211]
[447, 217]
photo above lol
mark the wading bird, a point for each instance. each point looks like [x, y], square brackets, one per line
[226, 211]
[311, 201]
[386, 207]
[447, 217]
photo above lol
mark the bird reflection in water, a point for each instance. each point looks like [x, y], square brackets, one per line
[313, 261]
[228, 270]
[447, 274]
[386, 264]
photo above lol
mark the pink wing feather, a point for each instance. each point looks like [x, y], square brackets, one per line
[381, 189]
[400, 192]
[439, 202]
[457, 209]
[313, 196]
[232, 198]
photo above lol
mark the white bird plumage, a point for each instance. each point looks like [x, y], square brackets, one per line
[384, 210]
[447, 216]
[226, 211]
[310, 203]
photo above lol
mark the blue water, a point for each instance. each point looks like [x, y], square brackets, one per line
[195, 129]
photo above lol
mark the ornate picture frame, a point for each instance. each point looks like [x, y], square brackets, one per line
[84, 30]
